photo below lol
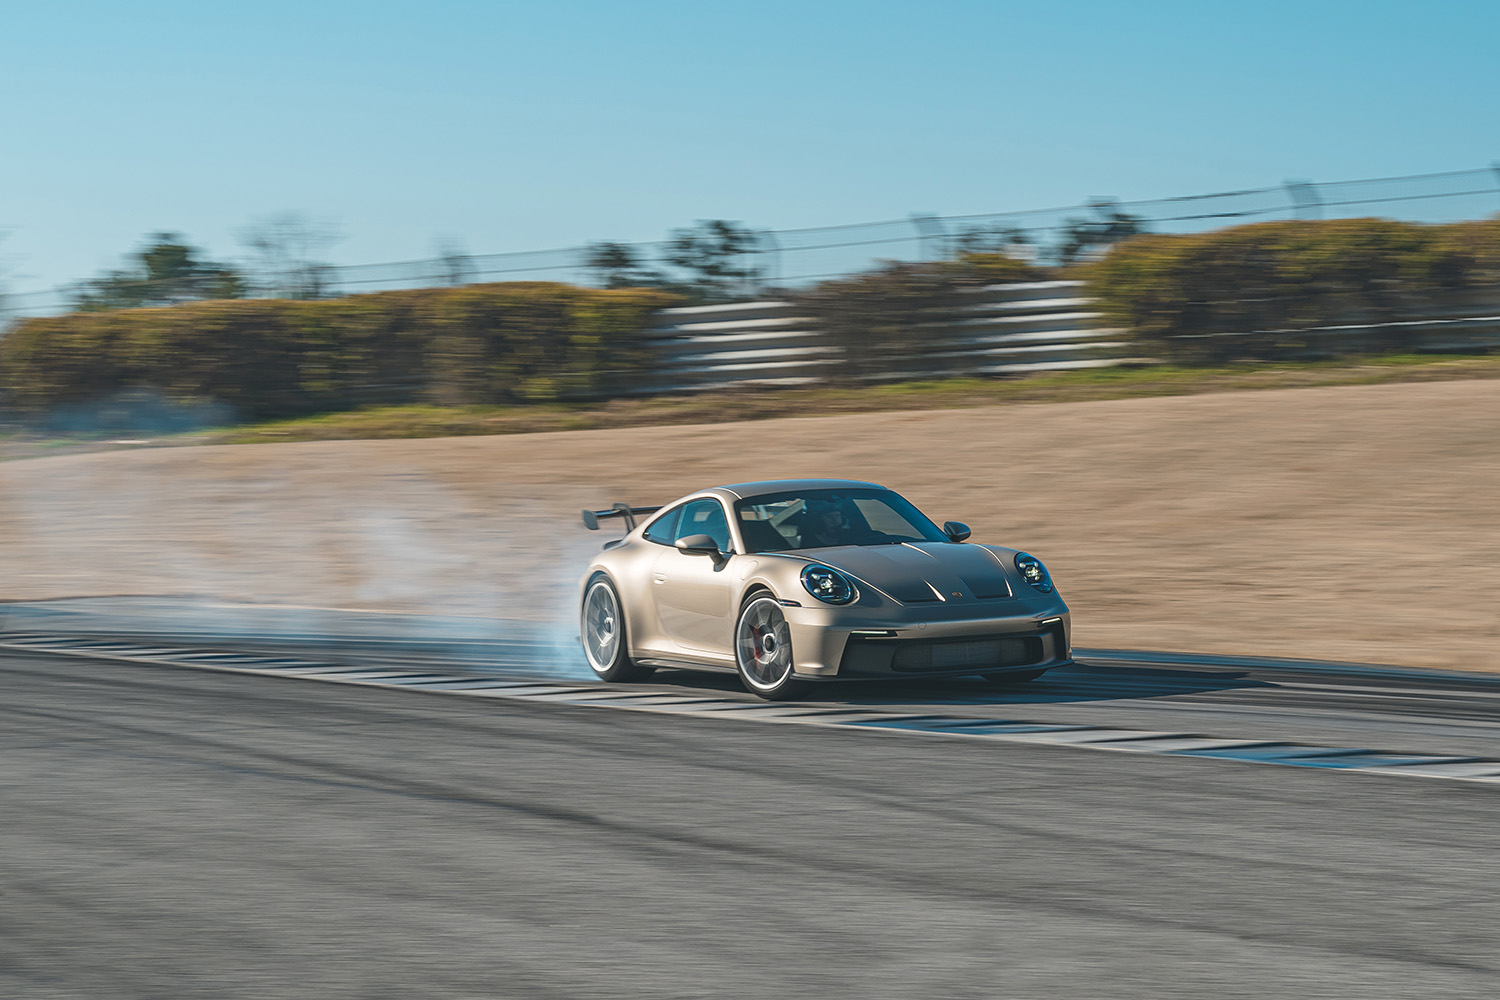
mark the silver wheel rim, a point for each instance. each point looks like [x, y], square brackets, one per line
[601, 626]
[763, 645]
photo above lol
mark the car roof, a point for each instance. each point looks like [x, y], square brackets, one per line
[741, 491]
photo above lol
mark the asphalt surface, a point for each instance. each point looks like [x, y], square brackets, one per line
[1345, 705]
[171, 832]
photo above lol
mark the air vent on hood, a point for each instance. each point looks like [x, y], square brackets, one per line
[911, 591]
[976, 566]
[986, 585]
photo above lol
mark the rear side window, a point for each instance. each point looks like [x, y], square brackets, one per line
[705, 517]
[663, 530]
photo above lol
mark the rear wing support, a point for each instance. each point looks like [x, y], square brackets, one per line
[591, 518]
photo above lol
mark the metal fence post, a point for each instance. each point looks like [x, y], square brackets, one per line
[770, 275]
[1306, 204]
[930, 235]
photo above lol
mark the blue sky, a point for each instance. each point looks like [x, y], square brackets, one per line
[515, 126]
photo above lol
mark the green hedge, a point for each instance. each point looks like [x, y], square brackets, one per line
[901, 320]
[268, 359]
[1269, 282]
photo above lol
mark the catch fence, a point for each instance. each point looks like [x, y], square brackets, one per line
[768, 261]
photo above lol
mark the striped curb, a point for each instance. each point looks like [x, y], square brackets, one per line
[1171, 744]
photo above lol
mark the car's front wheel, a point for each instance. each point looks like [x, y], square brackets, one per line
[601, 629]
[763, 650]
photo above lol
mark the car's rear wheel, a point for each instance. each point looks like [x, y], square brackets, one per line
[763, 650]
[601, 629]
[1014, 677]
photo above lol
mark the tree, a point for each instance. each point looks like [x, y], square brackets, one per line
[618, 265]
[1012, 241]
[720, 257]
[1091, 237]
[288, 249]
[165, 271]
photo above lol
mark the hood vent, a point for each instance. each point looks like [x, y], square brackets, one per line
[986, 586]
[925, 572]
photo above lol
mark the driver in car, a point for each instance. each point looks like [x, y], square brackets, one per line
[825, 524]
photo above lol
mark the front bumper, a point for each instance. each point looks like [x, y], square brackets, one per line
[835, 644]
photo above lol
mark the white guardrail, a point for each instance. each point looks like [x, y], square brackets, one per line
[1015, 328]
[1035, 326]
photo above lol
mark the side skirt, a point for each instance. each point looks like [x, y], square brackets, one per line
[681, 664]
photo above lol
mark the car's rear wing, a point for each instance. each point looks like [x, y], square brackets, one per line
[591, 518]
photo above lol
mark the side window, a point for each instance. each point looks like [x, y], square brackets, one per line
[705, 517]
[663, 530]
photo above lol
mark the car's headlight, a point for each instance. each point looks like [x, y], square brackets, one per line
[1033, 572]
[828, 585]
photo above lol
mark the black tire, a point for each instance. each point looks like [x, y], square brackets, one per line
[601, 630]
[763, 650]
[1014, 677]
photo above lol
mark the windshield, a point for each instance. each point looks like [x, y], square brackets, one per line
[817, 519]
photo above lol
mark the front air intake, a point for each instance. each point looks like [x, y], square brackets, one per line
[874, 657]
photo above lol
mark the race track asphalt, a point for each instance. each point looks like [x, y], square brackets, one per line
[169, 832]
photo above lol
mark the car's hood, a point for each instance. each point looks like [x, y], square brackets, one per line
[921, 572]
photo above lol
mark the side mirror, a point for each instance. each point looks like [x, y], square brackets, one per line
[698, 545]
[956, 531]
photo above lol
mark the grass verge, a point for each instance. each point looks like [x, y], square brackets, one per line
[767, 403]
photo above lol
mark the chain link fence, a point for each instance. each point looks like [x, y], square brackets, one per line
[767, 261]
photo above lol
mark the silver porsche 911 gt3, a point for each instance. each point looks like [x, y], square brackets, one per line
[813, 579]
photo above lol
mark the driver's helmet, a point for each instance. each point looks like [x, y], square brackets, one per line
[815, 511]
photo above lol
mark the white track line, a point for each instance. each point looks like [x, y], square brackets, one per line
[1087, 737]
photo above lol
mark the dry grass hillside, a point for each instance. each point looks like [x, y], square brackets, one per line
[1356, 523]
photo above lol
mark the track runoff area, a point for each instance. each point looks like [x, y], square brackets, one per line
[977, 720]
